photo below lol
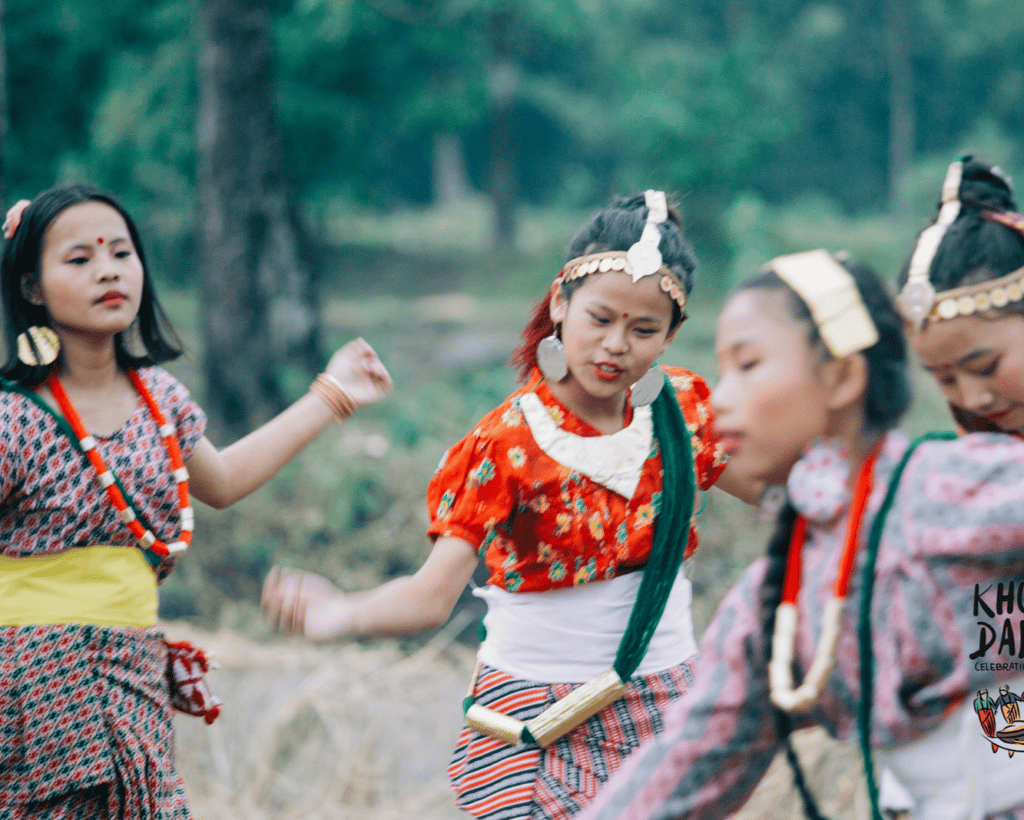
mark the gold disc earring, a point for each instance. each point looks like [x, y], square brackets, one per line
[38, 345]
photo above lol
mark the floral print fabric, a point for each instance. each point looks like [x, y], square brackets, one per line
[541, 525]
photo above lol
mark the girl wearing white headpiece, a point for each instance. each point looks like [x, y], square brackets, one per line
[863, 618]
[577, 492]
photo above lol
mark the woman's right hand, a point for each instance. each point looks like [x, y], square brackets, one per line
[357, 368]
[308, 604]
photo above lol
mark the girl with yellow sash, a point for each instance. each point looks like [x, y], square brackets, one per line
[100, 453]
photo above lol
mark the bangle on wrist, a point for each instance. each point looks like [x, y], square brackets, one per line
[353, 624]
[337, 397]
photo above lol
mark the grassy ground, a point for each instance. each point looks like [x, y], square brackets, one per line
[354, 732]
[352, 504]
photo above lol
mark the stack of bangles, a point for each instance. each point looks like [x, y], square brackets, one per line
[337, 397]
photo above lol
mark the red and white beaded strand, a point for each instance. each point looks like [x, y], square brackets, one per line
[783, 692]
[146, 539]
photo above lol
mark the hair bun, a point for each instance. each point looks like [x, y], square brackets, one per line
[985, 186]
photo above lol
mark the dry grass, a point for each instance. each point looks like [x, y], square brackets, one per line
[353, 732]
[361, 731]
[324, 733]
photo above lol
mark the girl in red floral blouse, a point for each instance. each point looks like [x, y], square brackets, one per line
[100, 451]
[563, 491]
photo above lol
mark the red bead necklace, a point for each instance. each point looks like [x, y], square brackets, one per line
[146, 539]
[780, 668]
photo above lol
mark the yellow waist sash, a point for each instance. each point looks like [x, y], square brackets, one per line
[109, 586]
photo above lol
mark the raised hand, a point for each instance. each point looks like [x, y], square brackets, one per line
[360, 372]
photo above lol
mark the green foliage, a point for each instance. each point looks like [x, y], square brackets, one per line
[704, 99]
[770, 122]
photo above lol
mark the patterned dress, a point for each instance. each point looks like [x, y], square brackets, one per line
[85, 717]
[541, 525]
[956, 530]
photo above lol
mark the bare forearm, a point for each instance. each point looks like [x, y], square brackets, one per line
[399, 607]
[220, 478]
[253, 460]
[311, 605]
[354, 377]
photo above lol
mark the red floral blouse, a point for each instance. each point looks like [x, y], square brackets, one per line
[539, 524]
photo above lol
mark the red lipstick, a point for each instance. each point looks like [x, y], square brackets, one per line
[606, 371]
[729, 441]
[999, 418]
[112, 297]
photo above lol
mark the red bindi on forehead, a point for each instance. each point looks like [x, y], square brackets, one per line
[625, 315]
[99, 240]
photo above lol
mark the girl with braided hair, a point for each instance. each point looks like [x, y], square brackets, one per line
[577, 493]
[861, 617]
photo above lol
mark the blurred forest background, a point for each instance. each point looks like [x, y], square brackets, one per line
[412, 170]
[304, 171]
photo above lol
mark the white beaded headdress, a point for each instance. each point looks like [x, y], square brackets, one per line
[918, 295]
[642, 259]
[919, 303]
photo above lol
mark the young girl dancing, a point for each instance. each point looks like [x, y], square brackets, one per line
[961, 292]
[101, 451]
[862, 617]
[577, 492]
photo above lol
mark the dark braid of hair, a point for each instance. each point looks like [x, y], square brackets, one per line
[770, 598]
[975, 249]
[616, 228]
[886, 399]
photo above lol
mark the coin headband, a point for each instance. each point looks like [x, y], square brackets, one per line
[618, 261]
[920, 303]
[970, 299]
[830, 293]
[642, 259]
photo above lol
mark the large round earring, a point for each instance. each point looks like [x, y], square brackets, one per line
[551, 358]
[38, 345]
[646, 390]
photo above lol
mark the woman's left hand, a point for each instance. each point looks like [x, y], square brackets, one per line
[360, 371]
[307, 604]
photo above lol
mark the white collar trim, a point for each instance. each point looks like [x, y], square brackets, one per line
[614, 460]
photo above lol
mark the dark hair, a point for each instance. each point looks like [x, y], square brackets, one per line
[975, 249]
[889, 391]
[20, 268]
[886, 400]
[617, 228]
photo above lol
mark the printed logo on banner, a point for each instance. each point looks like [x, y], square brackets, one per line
[999, 609]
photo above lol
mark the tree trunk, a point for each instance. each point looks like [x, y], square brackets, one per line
[4, 113]
[258, 297]
[502, 87]
[450, 179]
[901, 102]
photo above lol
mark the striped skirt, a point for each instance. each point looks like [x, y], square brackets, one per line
[496, 781]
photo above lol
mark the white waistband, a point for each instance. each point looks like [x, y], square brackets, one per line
[571, 635]
[953, 772]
